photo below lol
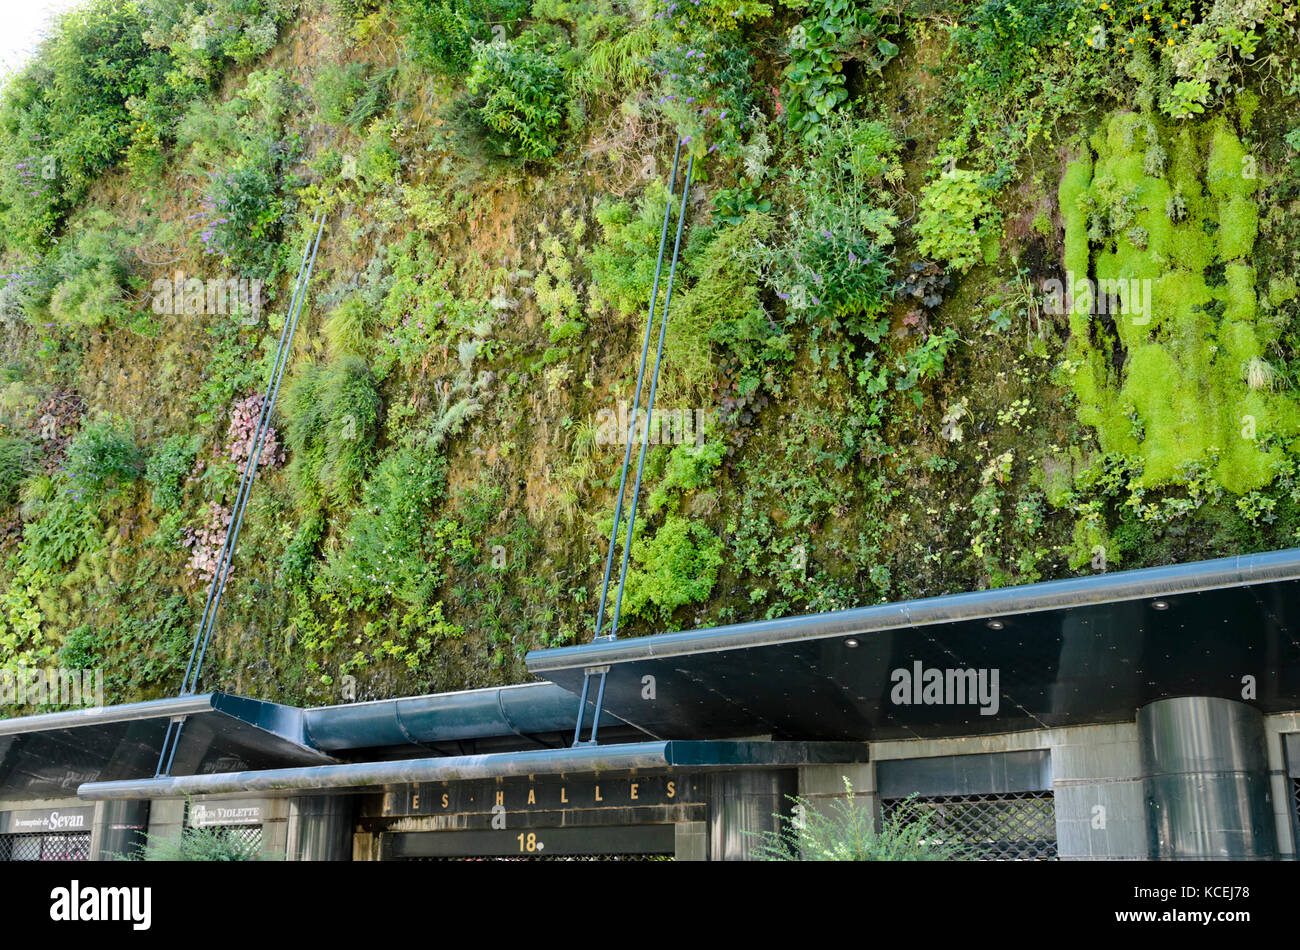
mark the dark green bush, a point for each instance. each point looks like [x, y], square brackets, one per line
[515, 103]
[1008, 37]
[390, 547]
[167, 469]
[441, 33]
[332, 415]
[17, 461]
[103, 458]
[246, 211]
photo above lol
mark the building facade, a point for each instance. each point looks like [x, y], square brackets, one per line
[1149, 714]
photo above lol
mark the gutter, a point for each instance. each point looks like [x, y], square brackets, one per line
[623, 757]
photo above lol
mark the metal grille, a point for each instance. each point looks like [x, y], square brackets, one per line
[556, 857]
[249, 837]
[74, 846]
[1018, 826]
[1295, 800]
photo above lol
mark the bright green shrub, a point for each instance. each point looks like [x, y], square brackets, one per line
[62, 530]
[955, 214]
[391, 548]
[92, 278]
[379, 161]
[622, 263]
[347, 328]
[690, 467]
[677, 566]
[722, 311]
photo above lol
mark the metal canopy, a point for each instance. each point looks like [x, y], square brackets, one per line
[478, 720]
[583, 760]
[51, 754]
[1085, 650]
[48, 756]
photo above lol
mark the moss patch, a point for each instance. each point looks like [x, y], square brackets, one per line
[1163, 348]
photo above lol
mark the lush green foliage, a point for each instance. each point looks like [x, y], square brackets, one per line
[677, 566]
[102, 458]
[881, 402]
[17, 461]
[518, 94]
[441, 33]
[169, 465]
[956, 216]
[845, 831]
[332, 415]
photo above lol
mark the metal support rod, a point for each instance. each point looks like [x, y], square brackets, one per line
[198, 652]
[650, 405]
[237, 518]
[600, 702]
[209, 607]
[582, 710]
[636, 404]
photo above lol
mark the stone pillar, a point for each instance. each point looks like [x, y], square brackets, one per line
[320, 828]
[1205, 770]
[744, 803]
[124, 825]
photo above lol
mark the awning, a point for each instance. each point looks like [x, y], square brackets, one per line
[48, 756]
[1084, 650]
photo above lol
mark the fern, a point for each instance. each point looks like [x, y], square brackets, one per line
[612, 66]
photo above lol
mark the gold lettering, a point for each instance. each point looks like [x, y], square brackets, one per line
[598, 798]
[532, 799]
[672, 789]
[415, 802]
[634, 791]
[501, 798]
[564, 799]
[444, 799]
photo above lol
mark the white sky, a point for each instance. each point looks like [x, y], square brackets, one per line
[25, 22]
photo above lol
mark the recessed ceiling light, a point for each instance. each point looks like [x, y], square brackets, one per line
[850, 643]
[1160, 604]
[996, 625]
